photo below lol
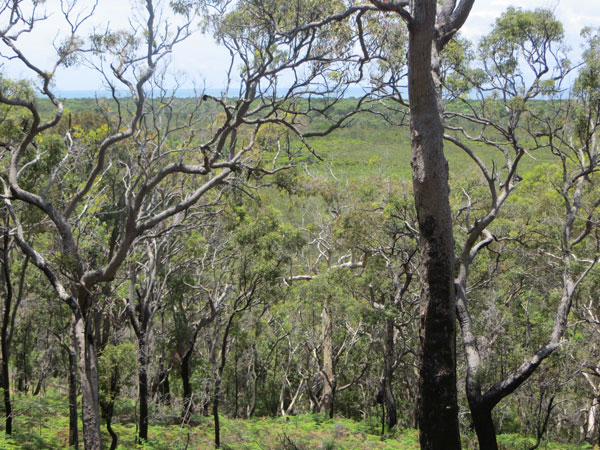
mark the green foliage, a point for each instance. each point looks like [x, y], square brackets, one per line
[522, 33]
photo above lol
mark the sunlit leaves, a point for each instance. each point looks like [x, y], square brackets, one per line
[525, 38]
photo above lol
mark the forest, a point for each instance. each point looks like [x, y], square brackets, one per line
[288, 265]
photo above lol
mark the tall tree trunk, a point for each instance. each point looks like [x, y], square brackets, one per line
[164, 389]
[592, 420]
[188, 407]
[326, 402]
[216, 395]
[72, 352]
[88, 368]
[388, 361]
[437, 403]
[143, 384]
[4, 338]
[484, 426]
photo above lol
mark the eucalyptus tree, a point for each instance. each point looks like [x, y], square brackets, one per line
[521, 60]
[430, 28]
[65, 200]
[195, 295]
[253, 259]
[388, 283]
[11, 303]
[148, 289]
[323, 268]
[145, 146]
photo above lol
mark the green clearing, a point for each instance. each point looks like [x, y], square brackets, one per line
[362, 150]
[365, 146]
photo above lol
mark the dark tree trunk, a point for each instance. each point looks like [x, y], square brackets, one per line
[141, 326]
[388, 393]
[38, 386]
[4, 339]
[188, 407]
[484, 426]
[108, 409]
[164, 389]
[437, 399]
[216, 395]
[331, 410]
[113, 436]
[437, 403]
[143, 386]
[73, 431]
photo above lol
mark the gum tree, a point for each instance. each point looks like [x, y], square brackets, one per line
[145, 164]
[521, 60]
[430, 28]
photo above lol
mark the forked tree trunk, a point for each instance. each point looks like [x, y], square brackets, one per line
[437, 404]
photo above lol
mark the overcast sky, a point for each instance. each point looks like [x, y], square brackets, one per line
[205, 63]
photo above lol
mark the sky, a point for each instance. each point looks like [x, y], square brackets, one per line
[200, 62]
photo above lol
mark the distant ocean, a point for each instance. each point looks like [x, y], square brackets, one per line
[181, 93]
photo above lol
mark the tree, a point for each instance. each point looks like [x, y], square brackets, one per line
[152, 260]
[164, 164]
[429, 32]
[510, 121]
[8, 318]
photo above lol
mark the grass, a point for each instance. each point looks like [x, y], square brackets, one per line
[358, 152]
[41, 423]
[45, 426]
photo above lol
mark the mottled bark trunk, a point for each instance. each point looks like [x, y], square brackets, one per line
[437, 404]
[592, 419]
[326, 402]
[88, 368]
